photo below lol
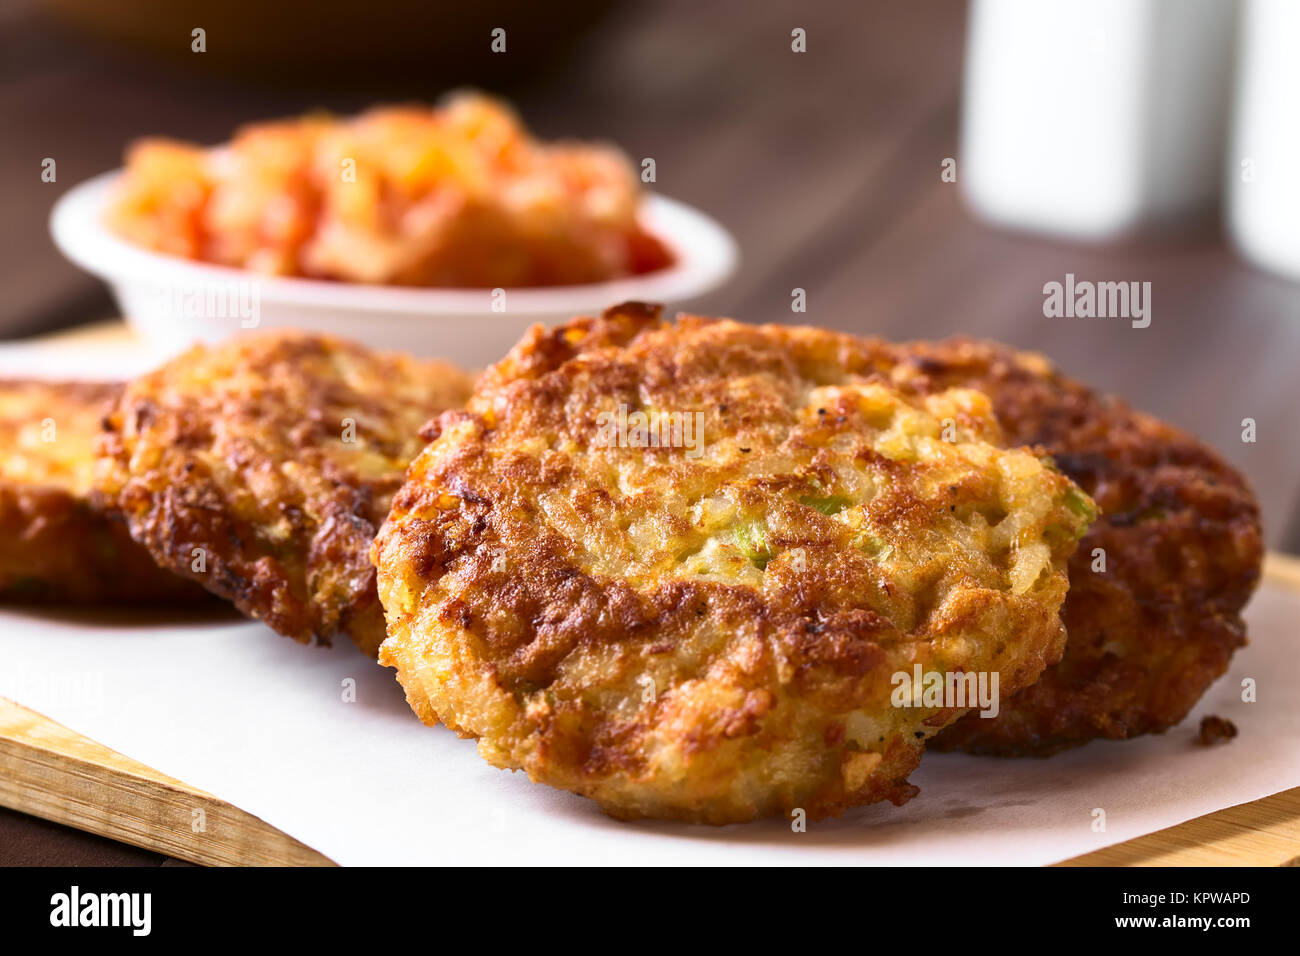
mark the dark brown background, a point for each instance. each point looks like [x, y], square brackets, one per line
[825, 165]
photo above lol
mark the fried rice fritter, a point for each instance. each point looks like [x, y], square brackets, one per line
[55, 546]
[678, 568]
[1180, 530]
[261, 468]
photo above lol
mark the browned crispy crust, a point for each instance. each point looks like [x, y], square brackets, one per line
[1215, 729]
[231, 464]
[1181, 533]
[714, 639]
[54, 546]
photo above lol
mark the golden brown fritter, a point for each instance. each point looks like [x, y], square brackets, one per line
[54, 546]
[262, 467]
[1183, 548]
[702, 618]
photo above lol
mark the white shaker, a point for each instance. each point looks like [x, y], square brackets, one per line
[1263, 174]
[1092, 119]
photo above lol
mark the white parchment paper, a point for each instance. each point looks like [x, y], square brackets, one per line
[261, 722]
[117, 357]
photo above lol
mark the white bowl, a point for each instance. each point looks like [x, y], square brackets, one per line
[173, 302]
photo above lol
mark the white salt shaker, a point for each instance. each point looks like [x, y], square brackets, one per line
[1091, 119]
[1263, 175]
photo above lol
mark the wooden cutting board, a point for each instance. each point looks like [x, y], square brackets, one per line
[49, 771]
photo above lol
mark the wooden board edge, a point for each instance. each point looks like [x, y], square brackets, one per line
[1264, 832]
[51, 772]
[1283, 569]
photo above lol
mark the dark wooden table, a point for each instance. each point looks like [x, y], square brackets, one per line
[826, 167]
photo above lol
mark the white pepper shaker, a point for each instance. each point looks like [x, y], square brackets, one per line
[1092, 119]
[1263, 174]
